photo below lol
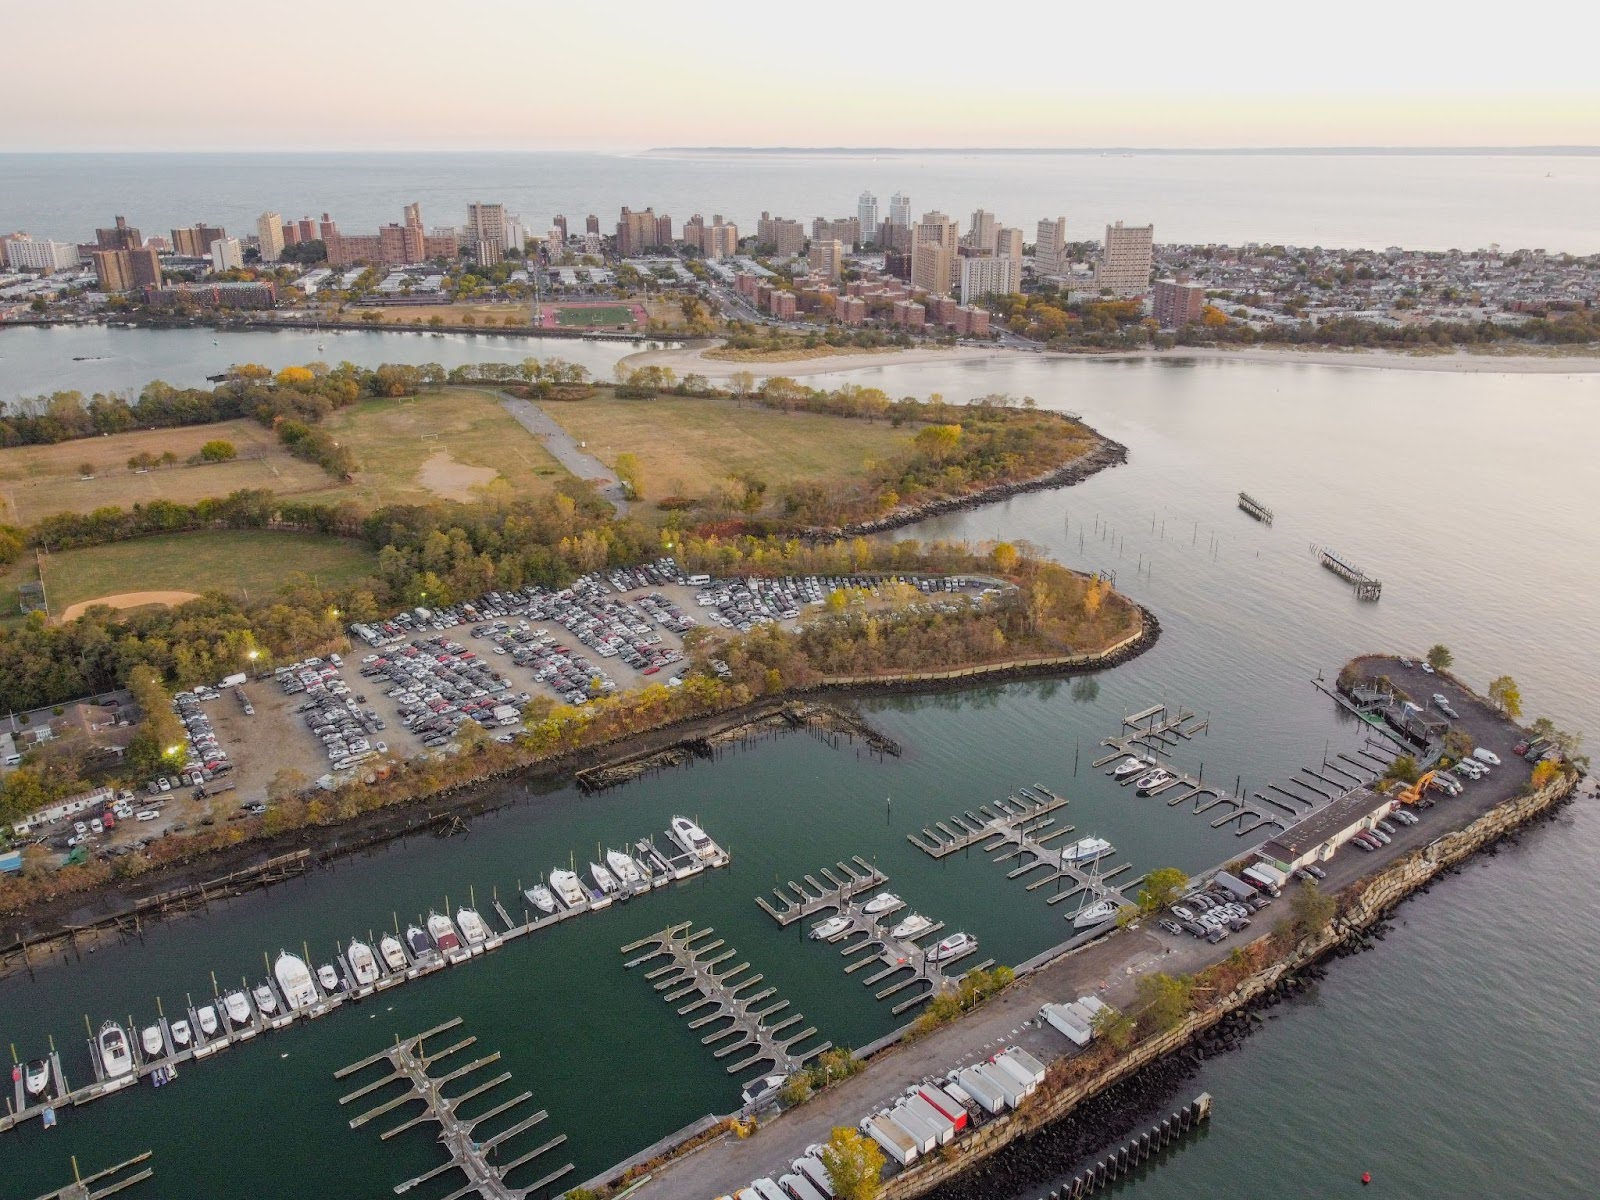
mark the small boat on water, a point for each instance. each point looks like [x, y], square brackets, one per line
[362, 963]
[154, 1044]
[417, 942]
[823, 930]
[38, 1076]
[691, 837]
[472, 926]
[913, 926]
[1158, 778]
[393, 951]
[624, 868]
[182, 1035]
[443, 933]
[567, 887]
[603, 879]
[294, 977]
[1086, 850]
[953, 946]
[1097, 913]
[266, 1002]
[1128, 766]
[207, 1016]
[881, 903]
[237, 1008]
[543, 898]
[328, 978]
[115, 1056]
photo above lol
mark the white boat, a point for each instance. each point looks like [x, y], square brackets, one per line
[115, 1055]
[624, 868]
[1086, 850]
[182, 1035]
[418, 942]
[1146, 784]
[362, 963]
[953, 946]
[566, 886]
[603, 878]
[443, 933]
[1097, 913]
[294, 977]
[329, 979]
[394, 953]
[1129, 766]
[472, 926]
[913, 926]
[266, 1002]
[761, 1089]
[823, 930]
[237, 1008]
[882, 902]
[38, 1077]
[691, 837]
[207, 1016]
[543, 898]
[154, 1044]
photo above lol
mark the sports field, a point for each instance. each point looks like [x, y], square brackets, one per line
[594, 316]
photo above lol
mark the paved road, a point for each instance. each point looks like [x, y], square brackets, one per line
[566, 450]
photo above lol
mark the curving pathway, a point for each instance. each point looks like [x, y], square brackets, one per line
[566, 450]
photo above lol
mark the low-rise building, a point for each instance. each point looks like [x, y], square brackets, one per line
[1315, 839]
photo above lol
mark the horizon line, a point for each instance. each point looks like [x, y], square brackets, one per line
[1566, 149]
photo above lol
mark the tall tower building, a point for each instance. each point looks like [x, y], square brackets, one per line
[1050, 247]
[934, 243]
[981, 237]
[486, 223]
[1126, 260]
[269, 233]
[867, 216]
[900, 210]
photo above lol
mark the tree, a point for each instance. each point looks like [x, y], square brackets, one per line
[1005, 557]
[1161, 887]
[1113, 1026]
[218, 450]
[1165, 999]
[938, 441]
[285, 783]
[1404, 769]
[86, 469]
[631, 474]
[1312, 908]
[1440, 658]
[854, 1164]
[1507, 696]
[796, 1090]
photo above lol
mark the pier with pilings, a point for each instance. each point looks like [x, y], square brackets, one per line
[1255, 508]
[409, 1062]
[968, 828]
[104, 1183]
[1133, 1154]
[727, 998]
[809, 896]
[900, 964]
[1366, 587]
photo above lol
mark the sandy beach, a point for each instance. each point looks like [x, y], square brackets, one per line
[692, 359]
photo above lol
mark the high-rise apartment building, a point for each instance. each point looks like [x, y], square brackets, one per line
[23, 253]
[720, 239]
[984, 276]
[1176, 302]
[1126, 259]
[1008, 244]
[787, 238]
[307, 229]
[269, 235]
[195, 241]
[934, 244]
[121, 236]
[867, 216]
[1050, 247]
[561, 223]
[900, 210]
[981, 236]
[842, 229]
[127, 270]
[486, 223]
[827, 258]
[591, 224]
[641, 231]
[227, 254]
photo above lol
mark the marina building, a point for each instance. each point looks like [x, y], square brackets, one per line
[1315, 839]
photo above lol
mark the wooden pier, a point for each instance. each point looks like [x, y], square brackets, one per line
[969, 827]
[810, 896]
[409, 1064]
[724, 997]
[1255, 508]
[101, 1183]
[1366, 587]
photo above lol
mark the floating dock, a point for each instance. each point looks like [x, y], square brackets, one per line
[409, 1063]
[101, 1183]
[1002, 816]
[809, 896]
[868, 941]
[723, 997]
[1255, 508]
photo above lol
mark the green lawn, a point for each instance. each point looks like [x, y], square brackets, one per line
[603, 315]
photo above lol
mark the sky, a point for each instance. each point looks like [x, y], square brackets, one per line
[191, 75]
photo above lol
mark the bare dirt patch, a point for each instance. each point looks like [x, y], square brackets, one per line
[444, 476]
[130, 600]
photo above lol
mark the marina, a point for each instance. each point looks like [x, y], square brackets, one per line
[811, 897]
[107, 1182]
[968, 828]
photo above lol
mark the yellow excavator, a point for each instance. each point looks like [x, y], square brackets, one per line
[1413, 793]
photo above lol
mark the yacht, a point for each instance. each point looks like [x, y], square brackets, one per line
[472, 926]
[1086, 850]
[1095, 913]
[1128, 766]
[294, 977]
[761, 1089]
[1146, 784]
[823, 930]
[266, 1002]
[393, 951]
[624, 868]
[881, 903]
[913, 926]
[328, 978]
[38, 1076]
[114, 1054]
[953, 946]
[417, 942]
[443, 933]
[237, 1008]
[207, 1016]
[691, 837]
[603, 878]
[566, 886]
[362, 964]
[182, 1035]
[154, 1044]
[543, 898]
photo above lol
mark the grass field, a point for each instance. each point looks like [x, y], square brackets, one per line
[608, 315]
[686, 446]
[513, 314]
[443, 445]
[36, 481]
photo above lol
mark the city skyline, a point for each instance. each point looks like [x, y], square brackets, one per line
[1265, 78]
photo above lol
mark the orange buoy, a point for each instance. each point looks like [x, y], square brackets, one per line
[1366, 1178]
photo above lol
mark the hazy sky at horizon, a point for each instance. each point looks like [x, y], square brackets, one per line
[514, 74]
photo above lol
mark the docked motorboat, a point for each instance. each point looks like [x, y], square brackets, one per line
[393, 951]
[953, 946]
[38, 1076]
[115, 1056]
[237, 1008]
[1148, 783]
[913, 926]
[153, 1043]
[472, 926]
[881, 903]
[266, 1002]
[566, 886]
[1128, 766]
[1086, 850]
[207, 1016]
[417, 942]
[543, 898]
[328, 978]
[761, 1089]
[603, 879]
[691, 837]
[624, 868]
[294, 977]
[362, 963]
[443, 933]
[182, 1035]
[823, 930]
[1097, 913]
